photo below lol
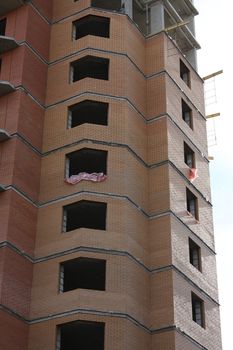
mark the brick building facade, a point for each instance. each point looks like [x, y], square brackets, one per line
[127, 263]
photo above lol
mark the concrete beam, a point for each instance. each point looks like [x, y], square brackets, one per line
[157, 17]
[128, 4]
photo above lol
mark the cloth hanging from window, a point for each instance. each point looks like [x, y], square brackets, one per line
[94, 177]
[192, 174]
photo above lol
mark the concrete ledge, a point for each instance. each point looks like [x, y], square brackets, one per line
[10, 5]
[6, 87]
[4, 135]
[7, 43]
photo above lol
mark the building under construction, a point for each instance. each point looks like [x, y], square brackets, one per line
[105, 207]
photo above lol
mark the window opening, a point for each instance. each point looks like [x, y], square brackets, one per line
[84, 214]
[184, 73]
[192, 207]
[194, 254]
[82, 335]
[91, 25]
[3, 27]
[88, 111]
[187, 114]
[86, 164]
[189, 156]
[85, 273]
[89, 67]
[198, 310]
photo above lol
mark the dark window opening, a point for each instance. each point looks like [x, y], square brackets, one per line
[198, 310]
[86, 160]
[184, 73]
[3, 27]
[192, 206]
[187, 114]
[84, 214]
[91, 25]
[92, 112]
[189, 156]
[113, 5]
[194, 254]
[81, 335]
[82, 273]
[89, 67]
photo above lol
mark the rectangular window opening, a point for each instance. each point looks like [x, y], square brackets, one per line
[82, 335]
[194, 254]
[3, 27]
[89, 67]
[187, 114]
[192, 206]
[91, 25]
[86, 160]
[113, 5]
[84, 273]
[88, 111]
[184, 73]
[189, 156]
[198, 310]
[84, 214]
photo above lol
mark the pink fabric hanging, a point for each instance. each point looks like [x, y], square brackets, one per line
[94, 177]
[192, 174]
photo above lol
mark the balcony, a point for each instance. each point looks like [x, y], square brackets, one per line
[6, 87]
[2, 188]
[7, 43]
[4, 135]
[10, 5]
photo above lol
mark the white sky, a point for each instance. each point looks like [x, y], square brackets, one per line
[215, 34]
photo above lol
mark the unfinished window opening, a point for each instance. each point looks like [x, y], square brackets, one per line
[86, 160]
[184, 73]
[3, 27]
[113, 5]
[194, 254]
[187, 114]
[82, 273]
[192, 206]
[82, 335]
[91, 25]
[89, 67]
[189, 156]
[88, 111]
[198, 310]
[84, 214]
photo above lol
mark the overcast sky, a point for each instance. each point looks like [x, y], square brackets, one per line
[214, 33]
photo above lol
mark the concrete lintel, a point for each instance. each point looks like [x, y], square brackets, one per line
[4, 135]
[6, 87]
[7, 44]
[10, 5]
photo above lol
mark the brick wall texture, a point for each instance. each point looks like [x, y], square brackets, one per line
[149, 278]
